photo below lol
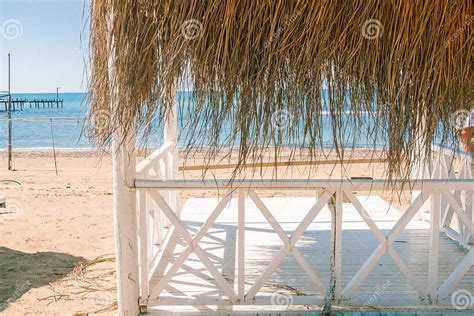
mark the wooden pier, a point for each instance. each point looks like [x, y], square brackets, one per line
[20, 104]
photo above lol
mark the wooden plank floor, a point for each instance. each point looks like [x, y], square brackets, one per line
[262, 244]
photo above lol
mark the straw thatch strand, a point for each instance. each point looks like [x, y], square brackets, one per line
[268, 69]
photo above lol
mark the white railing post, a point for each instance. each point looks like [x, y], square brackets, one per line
[469, 207]
[447, 173]
[467, 162]
[157, 223]
[173, 173]
[170, 134]
[336, 245]
[241, 245]
[421, 168]
[143, 244]
[155, 211]
[433, 259]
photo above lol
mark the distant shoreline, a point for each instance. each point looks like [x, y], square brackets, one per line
[54, 92]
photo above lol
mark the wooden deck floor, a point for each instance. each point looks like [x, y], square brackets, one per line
[262, 244]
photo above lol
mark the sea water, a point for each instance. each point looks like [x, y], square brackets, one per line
[32, 127]
[38, 128]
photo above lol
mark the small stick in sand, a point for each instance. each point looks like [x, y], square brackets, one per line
[54, 150]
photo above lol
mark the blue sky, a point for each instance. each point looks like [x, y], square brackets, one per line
[47, 40]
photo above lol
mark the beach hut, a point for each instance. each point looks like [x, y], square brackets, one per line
[273, 75]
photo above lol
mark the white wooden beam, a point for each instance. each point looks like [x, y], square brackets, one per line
[469, 206]
[360, 276]
[464, 219]
[299, 184]
[202, 300]
[404, 269]
[124, 197]
[144, 258]
[421, 164]
[338, 245]
[241, 246]
[149, 161]
[365, 216]
[410, 212]
[157, 225]
[170, 134]
[457, 274]
[433, 258]
[125, 223]
[170, 131]
[155, 261]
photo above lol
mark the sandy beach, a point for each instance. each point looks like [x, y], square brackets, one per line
[57, 244]
[60, 222]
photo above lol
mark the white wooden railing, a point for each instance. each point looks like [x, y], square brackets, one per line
[154, 228]
[159, 216]
[447, 164]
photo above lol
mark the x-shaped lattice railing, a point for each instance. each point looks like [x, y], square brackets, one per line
[386, 243]
[468, 260]
[289, 243]
[192, 246]
[385, 246]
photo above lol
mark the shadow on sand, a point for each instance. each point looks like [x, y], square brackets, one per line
[20, 271]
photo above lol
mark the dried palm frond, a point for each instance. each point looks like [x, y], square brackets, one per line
[404, 66]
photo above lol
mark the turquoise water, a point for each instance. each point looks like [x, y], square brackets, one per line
[32, 127]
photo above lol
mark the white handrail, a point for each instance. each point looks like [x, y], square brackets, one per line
[449, 151]
[147, 163]
[298, 184]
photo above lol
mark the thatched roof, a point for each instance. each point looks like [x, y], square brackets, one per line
[408, 63]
